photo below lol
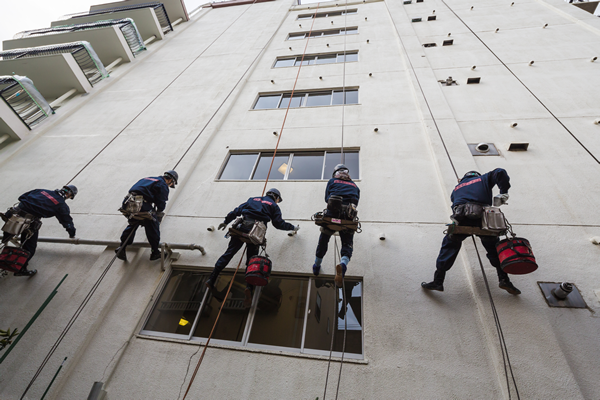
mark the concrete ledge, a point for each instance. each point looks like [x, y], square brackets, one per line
[11, 123]
[54, 75]
[175, 8]
[145, 20]
[108, 42]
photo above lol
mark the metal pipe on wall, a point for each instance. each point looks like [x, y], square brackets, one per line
[109, 243]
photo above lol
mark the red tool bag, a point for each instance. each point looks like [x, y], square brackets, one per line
[12, 259]
[516, 256]
[258, 271]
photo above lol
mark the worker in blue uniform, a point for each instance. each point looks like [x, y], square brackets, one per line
[341, 185]
[155, 191]
[263, 209]
[473, 188]
[35, 205]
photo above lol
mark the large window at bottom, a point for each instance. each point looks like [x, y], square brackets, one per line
[291, 313]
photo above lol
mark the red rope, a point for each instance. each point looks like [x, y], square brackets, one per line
[263, 193]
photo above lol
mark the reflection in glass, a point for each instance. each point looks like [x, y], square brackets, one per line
[306, 166]
[326, 59]
[278, 170]
[318, 99]
[351, 57]
[285, 62]
[267, 101]
[239, 166]
[334, 158]
[329, 316]
[279, 318]
[178, 304]
[296, 100]
[232, 321]
[351, 97]
[296, 36]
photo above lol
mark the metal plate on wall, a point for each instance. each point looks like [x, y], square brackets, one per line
[573, 300]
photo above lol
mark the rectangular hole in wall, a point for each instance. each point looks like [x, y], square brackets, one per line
[431, 18]
[407, 2]
[416, 20]
[429, 45]
[448, 42]
[518, 146]
[473, 80]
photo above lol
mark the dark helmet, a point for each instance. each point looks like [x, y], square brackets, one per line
[274, 193]
[471, 174]
[339, 167]
[68, 189]
[172, 175]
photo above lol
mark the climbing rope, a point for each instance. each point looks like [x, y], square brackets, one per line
[334, 327]
[72, 321]
[505, 359]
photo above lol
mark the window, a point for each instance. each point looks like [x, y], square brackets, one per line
[313, 59]
[328, 14]
[301, 165]
[329, 32]
[295, 314]
[307, 99]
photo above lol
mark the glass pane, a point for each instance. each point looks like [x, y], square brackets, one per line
[334, 158]
[285, 62]
[267, 101]
[352, 96]
[296, 36]
[351, 31]
[279, 166]
[331, 33]
[178, 304]
[337, 98]
[279, 318]
[239, 166]
[327, 316]
[318, 99]
[326, 59]
[352, 11]
[296, 100]
[306, 166]
[234, 315]
[351, 57]
[309, 16]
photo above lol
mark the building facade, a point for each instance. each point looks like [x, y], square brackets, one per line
[406, 90]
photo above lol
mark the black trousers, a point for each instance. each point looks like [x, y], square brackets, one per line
[235, 244]
[152, 228]
[347, 237]
[451, 247]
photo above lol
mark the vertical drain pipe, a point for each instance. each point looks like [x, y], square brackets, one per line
[96, 393]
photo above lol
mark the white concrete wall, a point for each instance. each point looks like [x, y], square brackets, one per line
[417, 344]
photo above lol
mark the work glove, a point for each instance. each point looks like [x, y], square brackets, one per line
[71, 233]
[222, 226]
[502, 198]
[296, 228]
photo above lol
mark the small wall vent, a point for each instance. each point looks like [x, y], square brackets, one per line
[416, 20]
[431, 18]
[448, 42]
[407, 1]
[473, 80]
[429, 45]
[483, 149]
[518, 146]
[563, 294]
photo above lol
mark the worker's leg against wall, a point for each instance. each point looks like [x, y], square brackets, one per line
[152, 228]
[30, 244]
[322, 246]
[347, 238]
[489, 242]
[235, 244]
[132, 227]
[450, 248]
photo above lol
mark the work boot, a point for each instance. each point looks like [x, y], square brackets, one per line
[248, 297]
[340, 272]
[316, 269]
[26, 272]
[155, 255]
[508, 286]
[121, 254]
[433, 286]
[212, 279]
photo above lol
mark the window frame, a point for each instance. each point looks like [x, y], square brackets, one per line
[290, 162]
[337, 13]
[304, 94]
[244, 344]
[323, 33]
[316, 56]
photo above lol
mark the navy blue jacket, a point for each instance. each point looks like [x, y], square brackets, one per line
[263, 209]
[45, 203]
[478, 189]
[154, 189]
[347, 189]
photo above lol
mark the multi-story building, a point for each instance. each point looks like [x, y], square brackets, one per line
[407, 90]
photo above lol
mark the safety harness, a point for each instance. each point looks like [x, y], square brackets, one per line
[337, 216]
[255, 235]
[132, 208]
